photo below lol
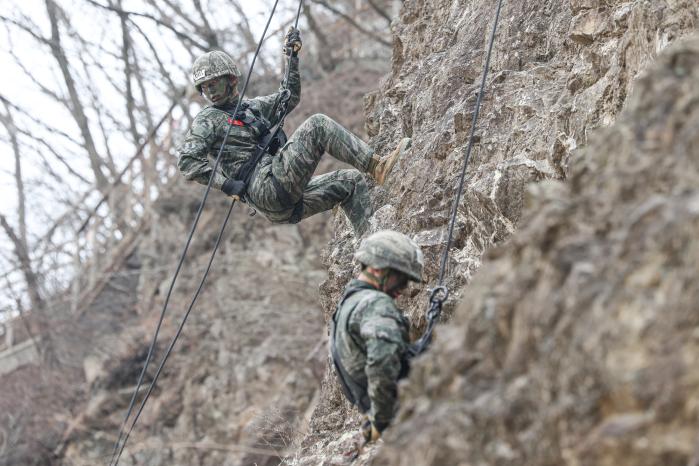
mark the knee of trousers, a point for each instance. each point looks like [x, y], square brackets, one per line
[317, 121]
[354, 177]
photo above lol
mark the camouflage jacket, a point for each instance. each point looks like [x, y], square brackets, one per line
[370, 338]
[198, 151]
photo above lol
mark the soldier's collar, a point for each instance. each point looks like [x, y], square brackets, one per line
[228, 105]
[359, 283]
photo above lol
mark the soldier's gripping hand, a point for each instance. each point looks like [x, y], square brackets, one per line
[292, 42]
[233, 188]
[370, 432]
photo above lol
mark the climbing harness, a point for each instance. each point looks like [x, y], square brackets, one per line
[354, 391]
[440, 293]
[251, 118]
[124, 435]
[269, 141]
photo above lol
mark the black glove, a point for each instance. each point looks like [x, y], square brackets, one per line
[292, 42]
[233, 187]
[370, 432]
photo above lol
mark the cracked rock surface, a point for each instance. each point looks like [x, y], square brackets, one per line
[585, 325]
[561, 74]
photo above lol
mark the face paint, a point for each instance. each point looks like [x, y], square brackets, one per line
[395, 283]
[216, 90]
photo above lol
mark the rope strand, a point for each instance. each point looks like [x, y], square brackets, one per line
[441, 292]
[117, 451]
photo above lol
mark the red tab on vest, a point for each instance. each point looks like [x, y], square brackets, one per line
[233, 122]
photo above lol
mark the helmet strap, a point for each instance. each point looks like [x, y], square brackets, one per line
[231, 91]
[379, 279]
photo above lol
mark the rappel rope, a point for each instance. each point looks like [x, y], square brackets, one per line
[123, 438]
[440, 293]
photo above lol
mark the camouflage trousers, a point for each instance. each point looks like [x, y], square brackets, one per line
[285, 191]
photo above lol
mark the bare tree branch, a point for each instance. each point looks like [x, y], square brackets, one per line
[181, 35]
[352, 22]
[26, 29]
[161, 67]
[32, 76]
[380, 10]
[22, 255]
[248, 36]
[128, 75]
[39, 122]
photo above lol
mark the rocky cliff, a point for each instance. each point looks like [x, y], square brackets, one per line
[566, 348]
[584, 326]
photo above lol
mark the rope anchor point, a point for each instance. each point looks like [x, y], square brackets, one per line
[438, 295]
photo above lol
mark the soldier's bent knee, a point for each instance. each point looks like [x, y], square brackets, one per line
[318, 120]
[354, 178]
[351, 174]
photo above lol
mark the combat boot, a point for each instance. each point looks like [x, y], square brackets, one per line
[382, 167]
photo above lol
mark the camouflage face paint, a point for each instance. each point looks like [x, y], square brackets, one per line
[396, 282]
[216, 90]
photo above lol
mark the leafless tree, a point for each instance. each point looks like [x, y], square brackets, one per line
[18, 236]
[84, 183]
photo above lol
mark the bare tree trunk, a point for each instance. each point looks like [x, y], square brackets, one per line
[33, 286]
[12, 132]
[128, 76]
[20, 242]
[22, 255]
[19, 238]
[76, 107]
[325, 52]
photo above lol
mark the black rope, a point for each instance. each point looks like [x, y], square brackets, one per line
[151, 387]
[440, 294]
[285, 82]
[117, 448]
[281, 108]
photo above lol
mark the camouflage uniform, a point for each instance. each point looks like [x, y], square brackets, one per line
[282, 187]
[370, 335]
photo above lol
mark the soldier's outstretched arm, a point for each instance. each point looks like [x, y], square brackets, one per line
[294, 83]
[385, 345]
[268, 103]
[193, 160]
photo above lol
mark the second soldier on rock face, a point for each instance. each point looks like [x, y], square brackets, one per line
[282, 185]
[369, 339]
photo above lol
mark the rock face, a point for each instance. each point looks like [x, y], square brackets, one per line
[585, 324]
[560, 70]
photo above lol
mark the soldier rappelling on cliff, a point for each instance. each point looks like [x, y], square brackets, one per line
[281, 185]
[369, 338]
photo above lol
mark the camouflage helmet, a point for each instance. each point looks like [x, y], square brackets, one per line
[393, 250]
[213, 65]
